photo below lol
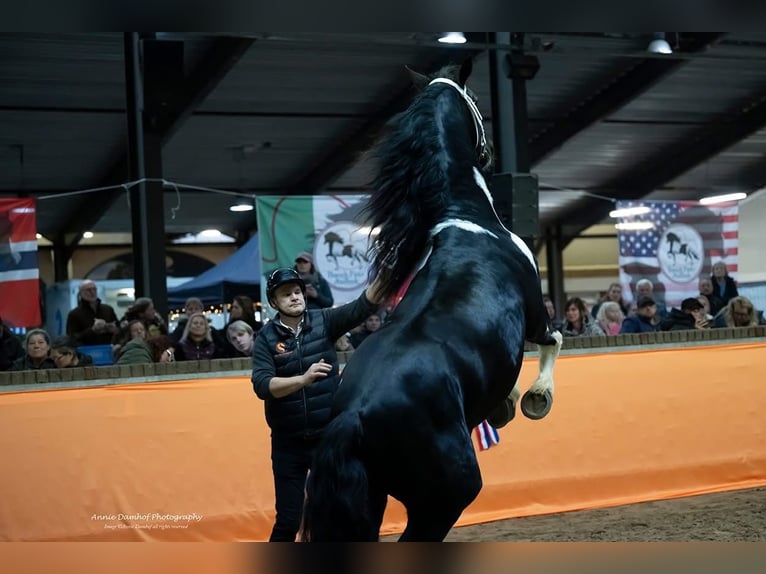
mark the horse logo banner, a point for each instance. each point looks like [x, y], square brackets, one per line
[681, 243]
[328, 227]
[19, 273]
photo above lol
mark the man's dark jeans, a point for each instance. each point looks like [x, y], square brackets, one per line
[290, 461]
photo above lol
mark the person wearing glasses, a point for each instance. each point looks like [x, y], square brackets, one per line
[65, 354]
[91, 322]
[295, 373]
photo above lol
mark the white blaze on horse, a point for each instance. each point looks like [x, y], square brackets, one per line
[451, 353]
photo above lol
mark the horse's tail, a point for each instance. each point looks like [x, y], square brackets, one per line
[336, 491]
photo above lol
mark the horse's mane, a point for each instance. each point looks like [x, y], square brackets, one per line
[410, 189]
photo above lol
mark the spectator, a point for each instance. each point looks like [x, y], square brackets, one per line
[645, 288]
[318, 292]
[64, 353]
[37, 346]
[143, 310]
[241, 310]
[610, 317]
[690, 316]
[10, 348]
[614, 293]
[370, 325]
[133, 348]
[703, 299]
[578, 322]
[241, 336]
[724, 285]
[91, 322]
[192, 305]
[739, 312]
[197, 341]
[644, 321]
[556, 324]
[714, 302]
[162, 348]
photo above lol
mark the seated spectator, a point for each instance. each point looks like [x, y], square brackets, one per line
[91, 322]
[37, 346]
[610, 317]
[192, 305]
[64, 353]
[645, 288]
[644, 319]
[133, 348]
[318, 292]
[162, 349]
[240, 335]
[343, 344]
[690, 316]
[739, 312]
[632, 309]
[10, 347]
[370, 325]
[578, 322]
[705, 302]
[143, 310]
[197, 341]
[241, 309]
[715, 303]
[724, 285]
[614, 293]
[556, 324]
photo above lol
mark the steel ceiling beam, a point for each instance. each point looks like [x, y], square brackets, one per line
[219, 59]
[637, 78]
[668, 163]
[333, 163]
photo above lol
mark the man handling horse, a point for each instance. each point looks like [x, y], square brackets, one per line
[295, 371]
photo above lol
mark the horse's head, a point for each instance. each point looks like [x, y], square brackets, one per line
[456, 76]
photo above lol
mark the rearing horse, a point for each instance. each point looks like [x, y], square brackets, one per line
[453, 348]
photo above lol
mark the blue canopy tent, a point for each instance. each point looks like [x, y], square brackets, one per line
[238, 274]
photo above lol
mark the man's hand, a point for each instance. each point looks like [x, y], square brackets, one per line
[99, 325]
[316, 371]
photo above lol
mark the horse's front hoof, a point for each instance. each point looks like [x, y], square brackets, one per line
[535, 405]
[502, 414]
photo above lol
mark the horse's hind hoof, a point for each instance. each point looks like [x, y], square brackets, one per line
[536, 405]
[502, 414]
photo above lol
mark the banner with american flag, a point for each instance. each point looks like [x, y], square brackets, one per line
[19, 273]
[681, 243]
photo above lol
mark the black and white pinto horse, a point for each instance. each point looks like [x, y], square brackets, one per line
[453, 348]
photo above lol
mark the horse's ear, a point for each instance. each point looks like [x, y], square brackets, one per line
[465, 71]
[419, 80]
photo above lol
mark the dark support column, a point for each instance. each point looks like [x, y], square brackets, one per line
[555, 264]
[61, 256]
[145, 153]
[509, 134]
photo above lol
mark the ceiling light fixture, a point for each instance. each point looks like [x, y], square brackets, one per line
[723, 198]
[452, 38]
[659, 45]
[634, 225]
[241, 207]
[628, 211]
[210, 233]
[87, 235]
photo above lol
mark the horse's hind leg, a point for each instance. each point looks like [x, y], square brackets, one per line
[538, 400]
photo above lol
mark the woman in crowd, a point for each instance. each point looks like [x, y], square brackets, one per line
[739, 312]
[197, 341]
[724, 286]
[133, 348]
[578, 322]
[37, 346]
[65, 354]
[614, 293]
[143, 310]
[240, 336]
[610, 317]
[162, 349]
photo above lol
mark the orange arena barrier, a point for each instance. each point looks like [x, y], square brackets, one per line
[189, 460]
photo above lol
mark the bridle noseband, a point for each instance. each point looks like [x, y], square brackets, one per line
[478, 120]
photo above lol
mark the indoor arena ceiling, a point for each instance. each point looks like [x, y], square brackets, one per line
[291, 113]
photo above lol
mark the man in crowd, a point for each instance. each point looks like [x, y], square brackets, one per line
[91, 322]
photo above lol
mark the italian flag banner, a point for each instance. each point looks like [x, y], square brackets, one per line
[329, 227]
